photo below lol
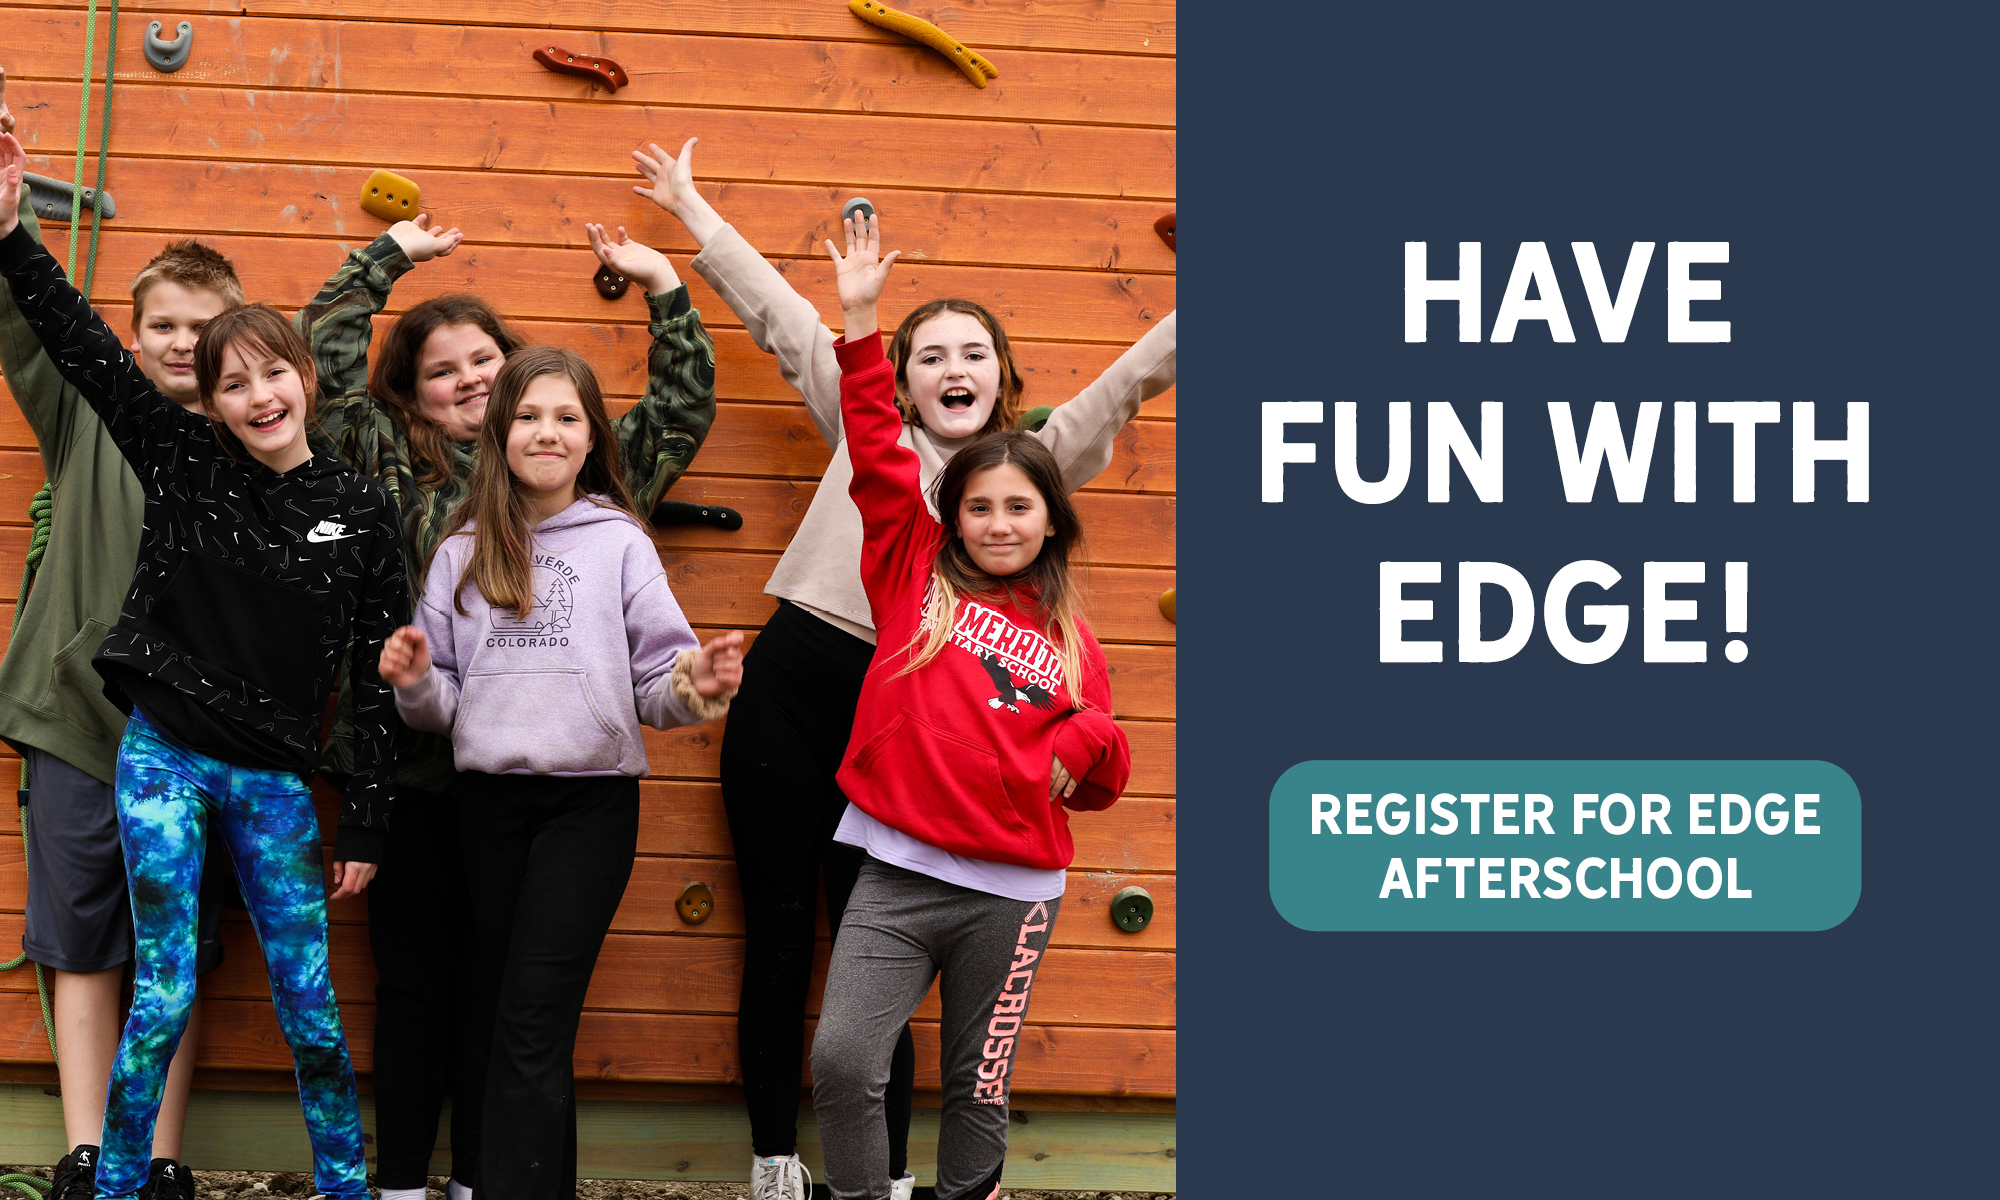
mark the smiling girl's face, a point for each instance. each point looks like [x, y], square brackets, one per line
[1004, 520]
[261, 398]
[547, 443]
[953, 375]
[455, 371]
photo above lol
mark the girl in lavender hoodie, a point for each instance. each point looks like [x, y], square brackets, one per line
[546, 635]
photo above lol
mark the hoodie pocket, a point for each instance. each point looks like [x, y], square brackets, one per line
[73, 681]
[954, 782]
[542, 720]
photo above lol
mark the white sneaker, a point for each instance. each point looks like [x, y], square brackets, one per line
[782, 1177]
[904, 1188]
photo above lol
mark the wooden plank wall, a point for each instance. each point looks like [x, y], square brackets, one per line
[1035, 196]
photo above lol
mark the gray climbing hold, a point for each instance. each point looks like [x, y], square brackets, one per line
[50, 198]
[168, 56]
[860, 204]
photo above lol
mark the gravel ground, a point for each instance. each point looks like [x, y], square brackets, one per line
[264, 1185]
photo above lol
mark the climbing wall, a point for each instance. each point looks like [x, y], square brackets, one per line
[1036, 196]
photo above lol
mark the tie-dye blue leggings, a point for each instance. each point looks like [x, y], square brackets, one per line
[168, 798]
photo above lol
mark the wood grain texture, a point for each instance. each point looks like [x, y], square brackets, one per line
[1124, 530]
[674, 1047]
[1127, 27]
[851, 150]
[536, 283]
[785, 443]
[299, 200]
[897, 77]
[727, 589]
[637, 973]
[648, 907]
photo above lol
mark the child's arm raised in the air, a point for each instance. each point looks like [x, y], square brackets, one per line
[365, 805]
[421, 660]
[47, 401]
[887, 484]
[339, 322]
[1093, 760]
[783, 323]
[1080, 433]
[82, 347]
[658, 438]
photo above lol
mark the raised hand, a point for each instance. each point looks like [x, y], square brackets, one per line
[13, 162]
[422, 240]
[861, 274]
[634, 260]
[719, 666]
[406, 656]
[670, 184]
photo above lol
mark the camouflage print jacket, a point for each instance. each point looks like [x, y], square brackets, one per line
[657, 439]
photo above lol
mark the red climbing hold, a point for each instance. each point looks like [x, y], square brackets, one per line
[1165, 228]
[594, 67]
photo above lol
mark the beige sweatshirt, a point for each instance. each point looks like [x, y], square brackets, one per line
[821, 569]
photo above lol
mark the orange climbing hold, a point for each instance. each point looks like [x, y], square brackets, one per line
[977, 69]
[390, 196]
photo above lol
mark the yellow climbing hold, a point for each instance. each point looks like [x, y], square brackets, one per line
[977, 69]
[1167, 604]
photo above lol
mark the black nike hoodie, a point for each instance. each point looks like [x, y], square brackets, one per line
[249, 585]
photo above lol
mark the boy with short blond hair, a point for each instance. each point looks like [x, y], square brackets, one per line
[54, 711]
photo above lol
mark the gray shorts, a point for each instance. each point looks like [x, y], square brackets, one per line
[79, 915]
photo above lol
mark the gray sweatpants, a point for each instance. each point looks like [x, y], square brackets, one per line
[902, 930]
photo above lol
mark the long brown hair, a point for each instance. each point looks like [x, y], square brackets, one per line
[500, 566]
[1006, 407]
[394, 379]
[1056, 594]
[249, 325]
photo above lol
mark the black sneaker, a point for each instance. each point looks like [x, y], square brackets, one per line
[167, 1180]
[75, 1177]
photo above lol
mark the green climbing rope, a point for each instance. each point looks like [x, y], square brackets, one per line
[103, 157]
[40, 510]
[82, 130]
[33, 1185]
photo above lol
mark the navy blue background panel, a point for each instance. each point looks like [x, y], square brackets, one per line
[1844, 154]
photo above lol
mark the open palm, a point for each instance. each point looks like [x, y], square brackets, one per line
[861, 274]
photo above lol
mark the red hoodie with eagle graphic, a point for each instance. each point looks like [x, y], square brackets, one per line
[957, 753]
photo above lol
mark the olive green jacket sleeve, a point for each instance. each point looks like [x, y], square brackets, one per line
[659, 437]
[338, 325]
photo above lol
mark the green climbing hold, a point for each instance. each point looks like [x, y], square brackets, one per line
[1036, 417]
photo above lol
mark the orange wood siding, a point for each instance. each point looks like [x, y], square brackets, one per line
[1035, 196]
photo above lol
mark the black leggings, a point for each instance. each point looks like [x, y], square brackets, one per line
[548, 862]
[418, 926]
[788, 729]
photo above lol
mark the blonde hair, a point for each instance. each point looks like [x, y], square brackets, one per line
[191, 265]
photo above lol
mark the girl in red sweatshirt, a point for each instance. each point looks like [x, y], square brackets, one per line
[986, 712]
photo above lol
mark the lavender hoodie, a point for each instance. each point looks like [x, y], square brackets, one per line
[561, 690]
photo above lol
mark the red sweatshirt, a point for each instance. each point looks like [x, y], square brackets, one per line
[954, 754]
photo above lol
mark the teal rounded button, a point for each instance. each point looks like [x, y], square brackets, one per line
[1383, 844]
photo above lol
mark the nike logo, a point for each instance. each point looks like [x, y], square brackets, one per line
[327, 531]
